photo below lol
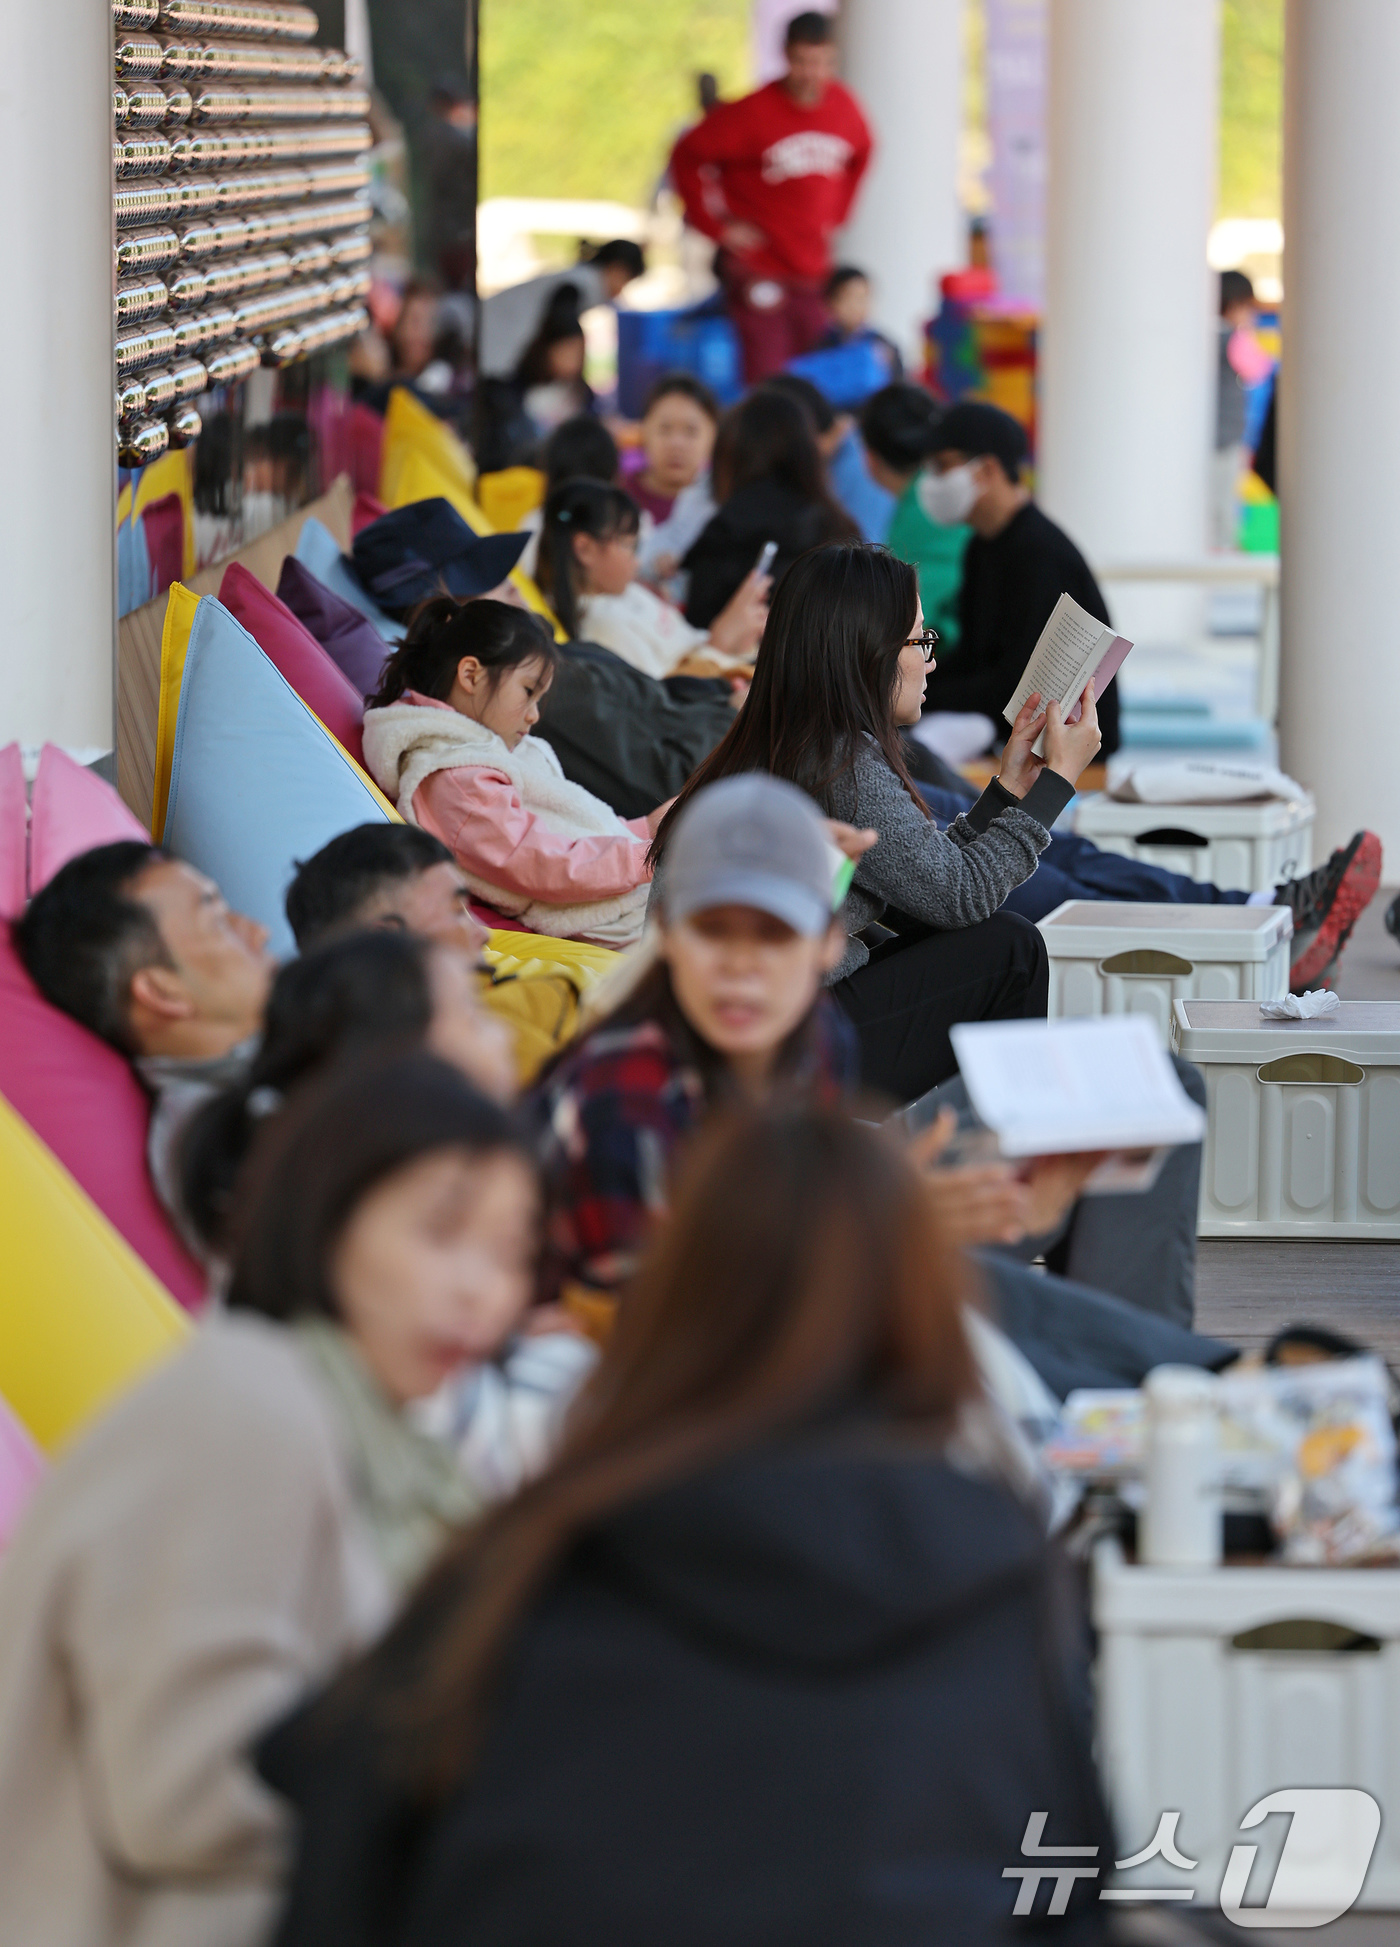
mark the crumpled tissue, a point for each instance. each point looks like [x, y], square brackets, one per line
[1301, 1007]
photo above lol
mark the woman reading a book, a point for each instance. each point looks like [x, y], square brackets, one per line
[841, 669]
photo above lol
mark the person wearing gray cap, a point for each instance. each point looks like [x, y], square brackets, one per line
[732, 1010]
[1017, 564]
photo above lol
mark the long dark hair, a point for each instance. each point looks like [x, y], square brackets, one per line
[560, 323]
[768, 436]
[336, 1140]
[837, 1288]
[580, 506]
[825, 677]
[442, 631]
[337, 1000]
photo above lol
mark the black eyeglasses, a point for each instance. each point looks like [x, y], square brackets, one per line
[926, 642]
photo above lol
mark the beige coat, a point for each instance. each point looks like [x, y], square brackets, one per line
[184, 1575]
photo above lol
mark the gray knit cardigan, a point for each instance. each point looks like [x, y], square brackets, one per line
[944, 878]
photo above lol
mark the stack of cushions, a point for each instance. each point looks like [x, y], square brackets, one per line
[346, 634]
[318, 551]
[425, 460]
[297, 656]
[255, 782]
[77, 1094]
[89, 1257]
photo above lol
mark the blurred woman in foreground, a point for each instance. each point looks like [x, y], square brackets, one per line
[771, 1656]
[240, 1522]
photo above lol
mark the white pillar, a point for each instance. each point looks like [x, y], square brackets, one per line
[1127, 353]
[903, 60]
[1339, 414]
[57, 501]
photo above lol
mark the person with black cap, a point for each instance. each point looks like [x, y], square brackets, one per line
[1017, 564]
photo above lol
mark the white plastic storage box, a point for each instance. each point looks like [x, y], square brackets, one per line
[1303, 1135]
[1216, 1687]
[1238, 847]
[1123, 957]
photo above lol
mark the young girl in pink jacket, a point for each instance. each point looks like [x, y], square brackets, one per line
[447, 737]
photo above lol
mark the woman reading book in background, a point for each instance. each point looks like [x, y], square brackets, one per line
[841, 668]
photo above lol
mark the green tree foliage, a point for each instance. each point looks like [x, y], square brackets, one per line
[1251, 108]
[585, 100]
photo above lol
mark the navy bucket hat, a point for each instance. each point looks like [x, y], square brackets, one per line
[414, 552]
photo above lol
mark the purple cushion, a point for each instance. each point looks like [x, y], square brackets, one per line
[350, 639]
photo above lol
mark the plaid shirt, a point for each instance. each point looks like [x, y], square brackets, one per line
[613, 1115]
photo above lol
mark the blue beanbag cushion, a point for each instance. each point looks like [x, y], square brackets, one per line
[256, 783]
[318, 550]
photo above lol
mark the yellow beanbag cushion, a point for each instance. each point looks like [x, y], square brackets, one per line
[508, 496]
[81, 1317]
[535, 985]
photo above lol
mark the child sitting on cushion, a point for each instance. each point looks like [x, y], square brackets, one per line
[447, 737]
[588, 568]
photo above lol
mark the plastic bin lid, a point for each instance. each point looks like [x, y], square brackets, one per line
[1246, 818]
[1091, 928]
[1364, 1031]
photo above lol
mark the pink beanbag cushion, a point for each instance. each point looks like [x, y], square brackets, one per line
[14, 835]
[20, 1467]
[74, 811]
[297, 656]
[80, 1097]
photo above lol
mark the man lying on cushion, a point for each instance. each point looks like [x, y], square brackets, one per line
[144, 951]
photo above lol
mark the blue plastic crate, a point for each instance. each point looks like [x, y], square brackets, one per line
[702, 342]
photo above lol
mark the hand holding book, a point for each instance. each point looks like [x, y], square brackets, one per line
[1043, 738]
[1074, 651]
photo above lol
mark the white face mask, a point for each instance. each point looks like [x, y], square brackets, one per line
[948, 498]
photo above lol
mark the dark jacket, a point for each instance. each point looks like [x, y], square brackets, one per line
[1009, 586]
[809, 1698]
[729, 547]
[619, 733]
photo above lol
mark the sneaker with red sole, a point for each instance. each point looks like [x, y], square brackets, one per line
[1326, 905]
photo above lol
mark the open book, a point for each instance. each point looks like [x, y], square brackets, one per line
[1074, 647]
[1053, 1088]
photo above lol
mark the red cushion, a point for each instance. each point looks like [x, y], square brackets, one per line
[496, 922]
[365, 511]
[73, 812]
[164, 521]
[296, 655]
[81, 1098]
[14, 834]
[365, 429]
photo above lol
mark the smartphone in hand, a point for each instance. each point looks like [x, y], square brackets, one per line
[764, 564]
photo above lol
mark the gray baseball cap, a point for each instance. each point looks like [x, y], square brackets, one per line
[751, 841]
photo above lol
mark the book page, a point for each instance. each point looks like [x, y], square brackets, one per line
[1049, 1088]
[1063, 658]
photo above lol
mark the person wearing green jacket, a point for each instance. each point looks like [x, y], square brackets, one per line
[897, 426]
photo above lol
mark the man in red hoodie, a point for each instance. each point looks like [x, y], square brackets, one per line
[771, 177]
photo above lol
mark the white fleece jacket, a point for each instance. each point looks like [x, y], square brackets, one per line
[406, 743]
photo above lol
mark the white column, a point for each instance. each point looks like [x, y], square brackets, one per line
[1127, 353]
[1339, 414]
[57, 501]
[903, 60]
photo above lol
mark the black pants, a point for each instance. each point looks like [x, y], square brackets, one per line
[914, 989]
